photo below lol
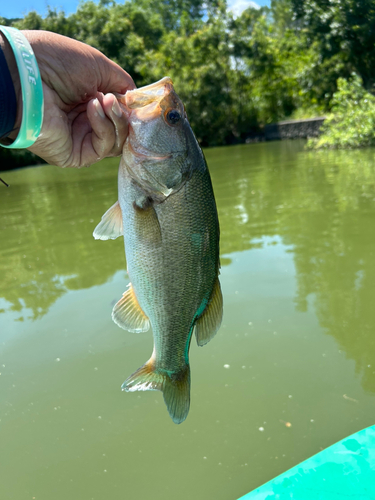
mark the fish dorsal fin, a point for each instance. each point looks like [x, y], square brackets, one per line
[110, 227]
[127, 313]
[209, 322]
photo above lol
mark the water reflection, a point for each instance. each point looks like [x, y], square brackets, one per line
[321, 205]
[47, 248]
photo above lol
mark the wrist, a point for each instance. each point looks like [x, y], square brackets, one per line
[12, 65]
[31, 95]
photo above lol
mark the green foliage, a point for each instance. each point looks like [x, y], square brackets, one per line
[345, 31]
[235, 74]
[352, 122]
[278, 64]
[212, 89]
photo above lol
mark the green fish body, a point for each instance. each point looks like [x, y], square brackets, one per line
[168, 216]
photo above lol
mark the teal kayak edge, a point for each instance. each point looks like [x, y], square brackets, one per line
[345, 469]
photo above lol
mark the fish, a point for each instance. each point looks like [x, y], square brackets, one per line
[167, 212]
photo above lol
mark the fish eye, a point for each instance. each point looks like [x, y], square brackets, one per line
[173, 116]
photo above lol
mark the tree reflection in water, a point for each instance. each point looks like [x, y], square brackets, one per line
[320, 203]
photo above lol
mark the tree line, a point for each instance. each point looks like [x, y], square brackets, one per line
[234, 73]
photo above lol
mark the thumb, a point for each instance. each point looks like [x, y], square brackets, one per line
[113, 78]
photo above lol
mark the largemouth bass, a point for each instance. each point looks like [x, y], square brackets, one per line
[167, 213]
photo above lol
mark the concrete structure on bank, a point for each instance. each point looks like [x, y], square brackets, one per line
[293, 129]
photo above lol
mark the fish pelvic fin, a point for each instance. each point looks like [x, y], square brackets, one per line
[209, 322]
[175, 387]
[110, 227]
[128, 314]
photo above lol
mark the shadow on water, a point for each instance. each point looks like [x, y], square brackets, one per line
[321, 205]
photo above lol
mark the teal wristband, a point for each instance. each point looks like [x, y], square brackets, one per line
[32, 90]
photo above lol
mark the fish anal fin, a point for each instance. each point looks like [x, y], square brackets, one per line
[144, 379]
[110, 227]
[209, 322]
[175, 387]
[127, 313]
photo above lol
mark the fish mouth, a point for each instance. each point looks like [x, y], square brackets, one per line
[151, 101]
[153, 93]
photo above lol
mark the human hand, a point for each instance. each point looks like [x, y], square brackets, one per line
[81, 125]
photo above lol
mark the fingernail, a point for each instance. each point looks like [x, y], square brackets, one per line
[116, 108]
[99, 108]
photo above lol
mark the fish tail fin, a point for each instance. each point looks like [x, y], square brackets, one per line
[175, 387]
[176, 394]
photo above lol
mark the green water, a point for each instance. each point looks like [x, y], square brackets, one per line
[298, 279]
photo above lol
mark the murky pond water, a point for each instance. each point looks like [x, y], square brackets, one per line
[298, 278]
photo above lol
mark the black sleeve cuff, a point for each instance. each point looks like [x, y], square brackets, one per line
[8, 101]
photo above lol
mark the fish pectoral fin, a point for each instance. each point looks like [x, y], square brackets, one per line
[175, 387]
[147, 225]
[209, 322]
[110, 227]
[127, 313]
